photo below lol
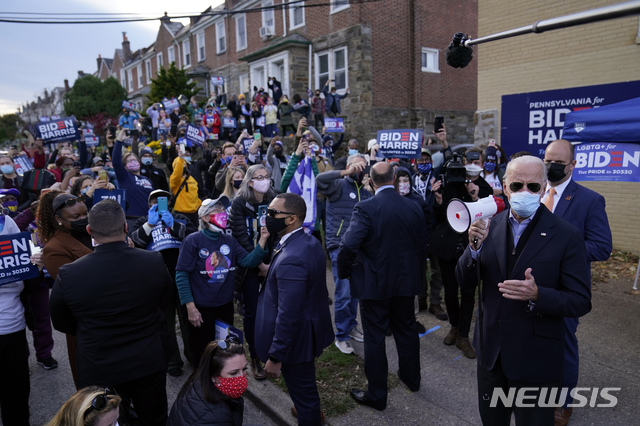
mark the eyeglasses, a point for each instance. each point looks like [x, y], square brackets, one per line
[259, 178]
[273, 212]
[100, 401]
[517, 186]
[224, 344]
[69, 203]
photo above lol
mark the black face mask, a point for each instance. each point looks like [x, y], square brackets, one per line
[274, 225]
[79, 226]
[278, 153]
[555, 172]
[237, 183]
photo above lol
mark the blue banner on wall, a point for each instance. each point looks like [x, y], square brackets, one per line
[607, 161]
[15, 258]
[530, 121]
[400, 143]
[334, 124]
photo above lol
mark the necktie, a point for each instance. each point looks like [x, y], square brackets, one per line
[549, 201]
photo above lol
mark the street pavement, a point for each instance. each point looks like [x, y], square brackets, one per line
[609, 348]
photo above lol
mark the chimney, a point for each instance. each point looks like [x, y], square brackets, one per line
[67, 89]
[99, 60]
[165, 19]
[126, 49]
[80, 73]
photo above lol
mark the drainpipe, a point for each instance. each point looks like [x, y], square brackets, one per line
[309, 71]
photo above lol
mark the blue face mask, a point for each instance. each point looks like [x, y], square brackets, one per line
[489, 166]
[353, 151]
[7, 169]
[84, 191]
[228, 159]
[424, 168]
[524, 203]
[187, 159]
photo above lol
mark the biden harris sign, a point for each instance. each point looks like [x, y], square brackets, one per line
[400, 143]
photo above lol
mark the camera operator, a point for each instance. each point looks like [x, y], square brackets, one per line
[460, 181]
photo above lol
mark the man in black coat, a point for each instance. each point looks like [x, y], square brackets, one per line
[381, 252]
[112, 300]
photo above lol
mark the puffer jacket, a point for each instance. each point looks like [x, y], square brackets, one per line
[192, 409]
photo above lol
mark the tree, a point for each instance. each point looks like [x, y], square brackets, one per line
[171, 83]
[91, 97]
[9, 127]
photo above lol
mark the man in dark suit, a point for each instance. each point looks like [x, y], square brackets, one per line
[382, 252]
[584, 209]
[112, 300]
[534, 272]
[293, 323]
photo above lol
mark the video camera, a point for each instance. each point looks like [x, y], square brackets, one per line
[454, 172]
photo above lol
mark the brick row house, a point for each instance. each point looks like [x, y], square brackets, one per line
[389, 53]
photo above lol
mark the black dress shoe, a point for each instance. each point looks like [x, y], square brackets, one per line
[412, 388]
[362, 398]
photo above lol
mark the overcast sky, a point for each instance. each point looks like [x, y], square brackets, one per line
[42, 56]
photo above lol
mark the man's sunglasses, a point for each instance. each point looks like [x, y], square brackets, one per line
[100, 401]
[517, 186]
[273, 212]
[226, 343]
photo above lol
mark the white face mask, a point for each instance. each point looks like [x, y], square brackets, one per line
[261, 186]
[473, 170]
[404, 188]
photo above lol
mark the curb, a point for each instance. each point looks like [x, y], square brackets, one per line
[272, 401]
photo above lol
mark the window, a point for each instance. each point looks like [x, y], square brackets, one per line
[332, 65]
[430, 60]
[159, 60]
[220, 37]
[123, 81]
[241, 32]
[296, 15]
[139, 72]
[338, 5]
[171, 54]
[186, 53]
[258, 77]
[268, 17]
[244, 83]
[147, 64]
[130, 79]
[200, 45]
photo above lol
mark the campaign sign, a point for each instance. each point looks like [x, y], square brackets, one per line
[87, 132]
[246, 144]
[127, 141]
[604, 161]
[161, 238]
[45, 119]
[129, 106]
[15, 254]
[170, 104]
[92, 140]
[194, 135]
[217, 81]
[55, 117]
[530, 121]
[334, 124]
[115, 194]
[229, 123]
[63, 130]
[260, 122]
[400, 143]
[23, 164]
[224, 330]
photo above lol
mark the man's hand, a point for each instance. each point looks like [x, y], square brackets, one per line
[153, 217]
[194, 315]
[435, 185]
[303, 146]
[264, 236]
[473, 190]
[442, 136]
[520, 289]
[478, 230]
[37, 260]
[167, 219]
[301, 124]
[264, 269]
[272, 369]
[354, 168]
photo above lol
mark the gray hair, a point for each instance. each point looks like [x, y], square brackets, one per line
[246, 192]
[354, 157]
[526, 159]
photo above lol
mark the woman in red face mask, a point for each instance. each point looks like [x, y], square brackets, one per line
[213, 392]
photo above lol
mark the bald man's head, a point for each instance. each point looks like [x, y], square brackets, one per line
[382, 174]
[558, 157]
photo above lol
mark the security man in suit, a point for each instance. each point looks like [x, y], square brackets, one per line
[584, 209]
[293, 323]
[112, 300]
[382, 252]
[534, 272]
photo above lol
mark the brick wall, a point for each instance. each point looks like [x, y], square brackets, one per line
[592, 54]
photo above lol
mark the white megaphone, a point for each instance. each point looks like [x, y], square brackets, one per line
[461, 215]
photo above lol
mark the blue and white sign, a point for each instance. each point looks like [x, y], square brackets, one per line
[607, 161]
[161, 238]
[114, 194]
[23, 164]
[229, 123]
[129, 106]
[334, 124]
[170, 104]
[63, 130]
[260, 121]
[224, 330]
[15, 258]
[400, 143]
[246, 144]
[194, 135]
[217, 81]
[530, 121]
[92, 140]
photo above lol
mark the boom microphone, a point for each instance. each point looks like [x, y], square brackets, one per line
[461, 215]
[457, 54]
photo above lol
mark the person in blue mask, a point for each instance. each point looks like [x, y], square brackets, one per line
[491, 172]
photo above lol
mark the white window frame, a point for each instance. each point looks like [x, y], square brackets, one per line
[186, 53]
[123, 79]
[268, 65]
[244, 83]
[436, 53]
[160, 60]
[332, 70]
[243, 19]
[292, 14]
[139, 72]
[147, 64]
[130, 79]
[200, 44]
[171, 51]
[221, 34]
[265, 13]
[339, 5]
